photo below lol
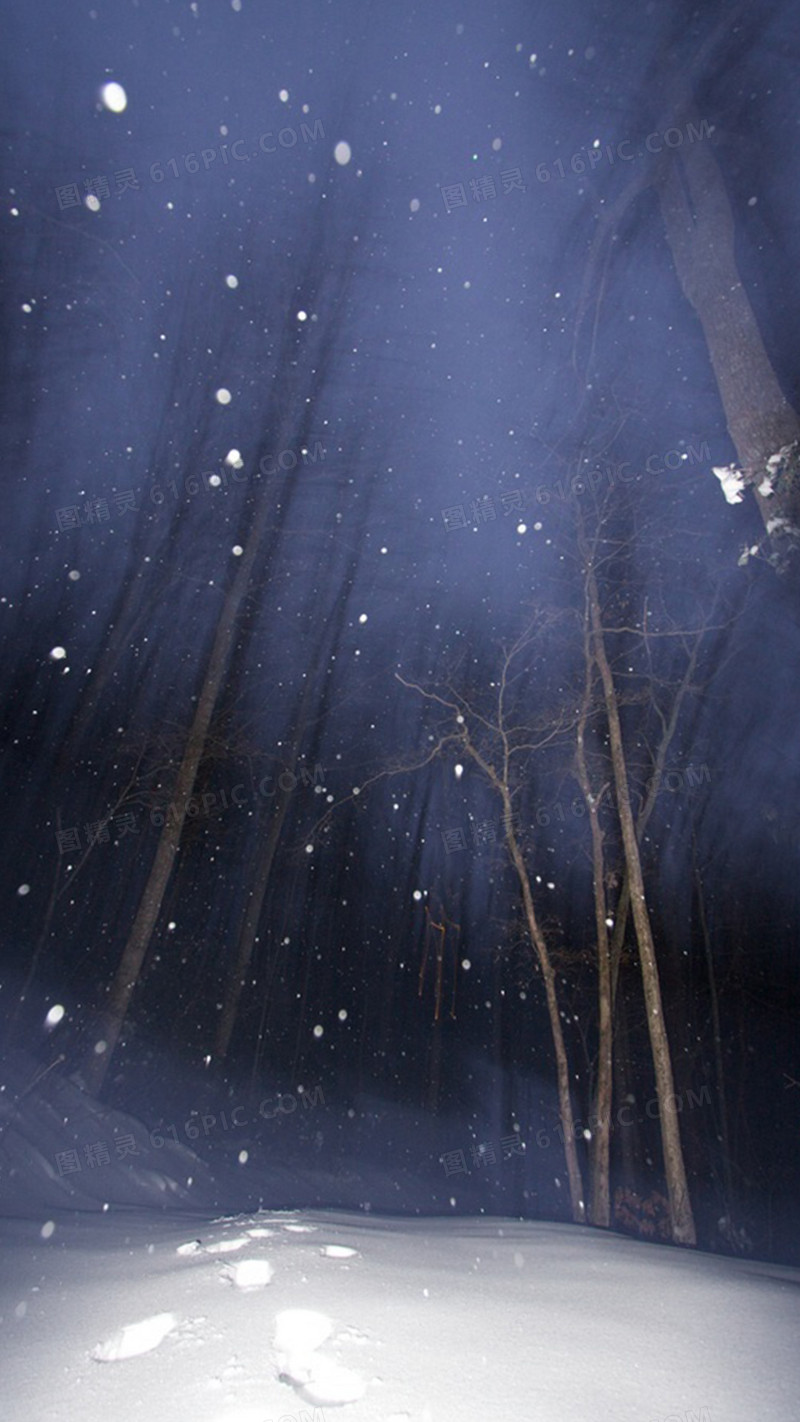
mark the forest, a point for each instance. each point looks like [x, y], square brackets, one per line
[400, 602]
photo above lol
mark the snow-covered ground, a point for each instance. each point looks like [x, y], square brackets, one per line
[125, 1294]
[130, 1314]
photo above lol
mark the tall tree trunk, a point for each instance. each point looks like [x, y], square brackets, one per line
[539, 942]
[628, 1135]
[237, 976]
[126, 977]
[681, 1217]
[294, 407]
[719, 1066]
[433, 1083]
[700, 230]
[328, 635]
[599, 1187]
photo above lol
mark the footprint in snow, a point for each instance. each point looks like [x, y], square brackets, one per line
[352, 1335]
[316, 1379]
[248, 1274]
[193, 1247]
[135, 1338]
[301, 1330]
[228, 1246]
[330, 1385]
[223, 1246]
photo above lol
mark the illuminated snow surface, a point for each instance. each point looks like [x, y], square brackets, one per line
[130, 1289]
[127, 1315]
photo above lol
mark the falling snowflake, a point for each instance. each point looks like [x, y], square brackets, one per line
[114, 98]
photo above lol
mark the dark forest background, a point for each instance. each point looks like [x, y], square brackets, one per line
[349, 438]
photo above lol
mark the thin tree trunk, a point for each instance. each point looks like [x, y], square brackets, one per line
[724, 1131]
[599, 1185]
[258, 891]
[434, 1082]
[41, 940]
[577, 1203]
[681, 1218]
[126, 977]
[295, 414]
[628, 1132]
[237, 977]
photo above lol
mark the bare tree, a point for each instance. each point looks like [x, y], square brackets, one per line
[681, 1217]
[498, 742]
[600, 1191]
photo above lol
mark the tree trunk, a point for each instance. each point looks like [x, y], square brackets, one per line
[719, 1065]
[700, 230]
[433, 1084]
[681, 1218]
[258, 891]
[599, 1186]
[562, 1068]
[628, 1135]
[119, 996]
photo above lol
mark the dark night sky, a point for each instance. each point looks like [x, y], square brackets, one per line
[436, 366]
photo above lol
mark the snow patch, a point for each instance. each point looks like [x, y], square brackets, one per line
[732, 482]
[135, 1338]
[331, 1385]
[228, 1246]
[249, 1274]
[301, 1330]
